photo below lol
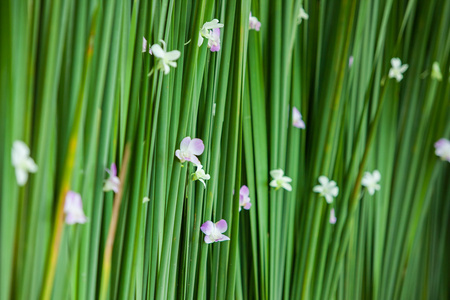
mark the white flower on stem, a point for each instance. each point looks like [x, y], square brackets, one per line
[189, 149]
[327, 189]
[443, 149]
[370, 181]
[333, 218]
[73, 208]
[253, 23]
[213, 231]
[397, 69]
[200, 175]
[113, 182]
[165, 59]
[210, 30]
[22, 162]
[244, 199]
[436, 71]
[279, 180]
[302, 15]
[297, 119]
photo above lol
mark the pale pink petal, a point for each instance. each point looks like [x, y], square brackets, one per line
[223, 238]
[196, 147]
[194, 160]
[185, 143]
[247, 205]
[113, 169]
[178, 154]
[244, 191]
[241, 200]
[222, 226]
[208, 240]
[332, 216]
[207, 227]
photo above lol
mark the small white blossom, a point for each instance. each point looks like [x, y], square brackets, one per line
[166, 59]
[279, 180]
[200, 174]
[443, 149]
[436, 71]
[302, 15]
[327, 189]
[370, 181]
[253, 23]
[22, 162]
[397, 69]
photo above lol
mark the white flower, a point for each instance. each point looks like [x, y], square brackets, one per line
[327, 189]
[22, 162]
[244, 199]
[280, 181]
[113, 182]
[297, 120]
[302, 15]
[397, 69]
[436, 72]
[370, 181]
[443, 149]
[200, 175]
[166, 59]
[207, 31]
[73, 208]
[253, 23]
[146, 199]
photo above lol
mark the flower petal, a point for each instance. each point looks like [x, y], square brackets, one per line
[376, 175]
[286, 186]
[323, 180]
[21, 176]
[273, 183]
[194, 160]
[396, 62]
[207, 227]
[328, 198]
[113, 169]
[185, 143]
[196, 147]
[223, 238]
[278, 173]
[318, 189]
[173, 55]
[244, 191]
[178, 154]
[208, 240]
[158, 51]
[221, 226]
[247, 205]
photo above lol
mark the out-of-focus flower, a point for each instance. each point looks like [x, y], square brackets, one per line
[253, 23]
[279, 180]
[327, 189]
[297, 120]
[22, 162]
[73, 208]
[113, 182]
[146, 199]
[213, 231]
[436, 71]
[210, 30]
[165, 59]
[200, 175]
[144, 45]
[443, 149]
[244, 199]
[350, 61]
[189, 149]
[370, 181]
[397, 69]
[302, 15]
[332, 217]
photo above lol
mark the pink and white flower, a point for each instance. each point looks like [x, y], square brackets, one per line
[211, 31]
[297, 120]
[113, 182]
[327, 189]
[73, 208]
[332, 217]
[213, 231]
[443, 149]
[22, 162]
[253, 23]
[244, 199]
[189, 149]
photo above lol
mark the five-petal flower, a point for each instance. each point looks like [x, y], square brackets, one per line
[370, 181]
[189, 149]
[113, 182]
[213, 231]
[22, 162]
[211, 31]
[253, 23]
[165, 59]
[297, 120]
[443, 149]
[327, 189]
[244, 199]
[73, 208]
[200, 174]
[279, 180]
[397, 69]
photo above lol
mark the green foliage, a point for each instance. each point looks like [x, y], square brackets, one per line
[75, 87]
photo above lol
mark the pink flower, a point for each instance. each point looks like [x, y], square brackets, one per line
[213, 231]
[332, 217]
[189, 149]
[73, 208]
[253, 23]
[443, 149]
[113, 182]
[144, 45]
[244, 199]
[214, 40]
[297, 119]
